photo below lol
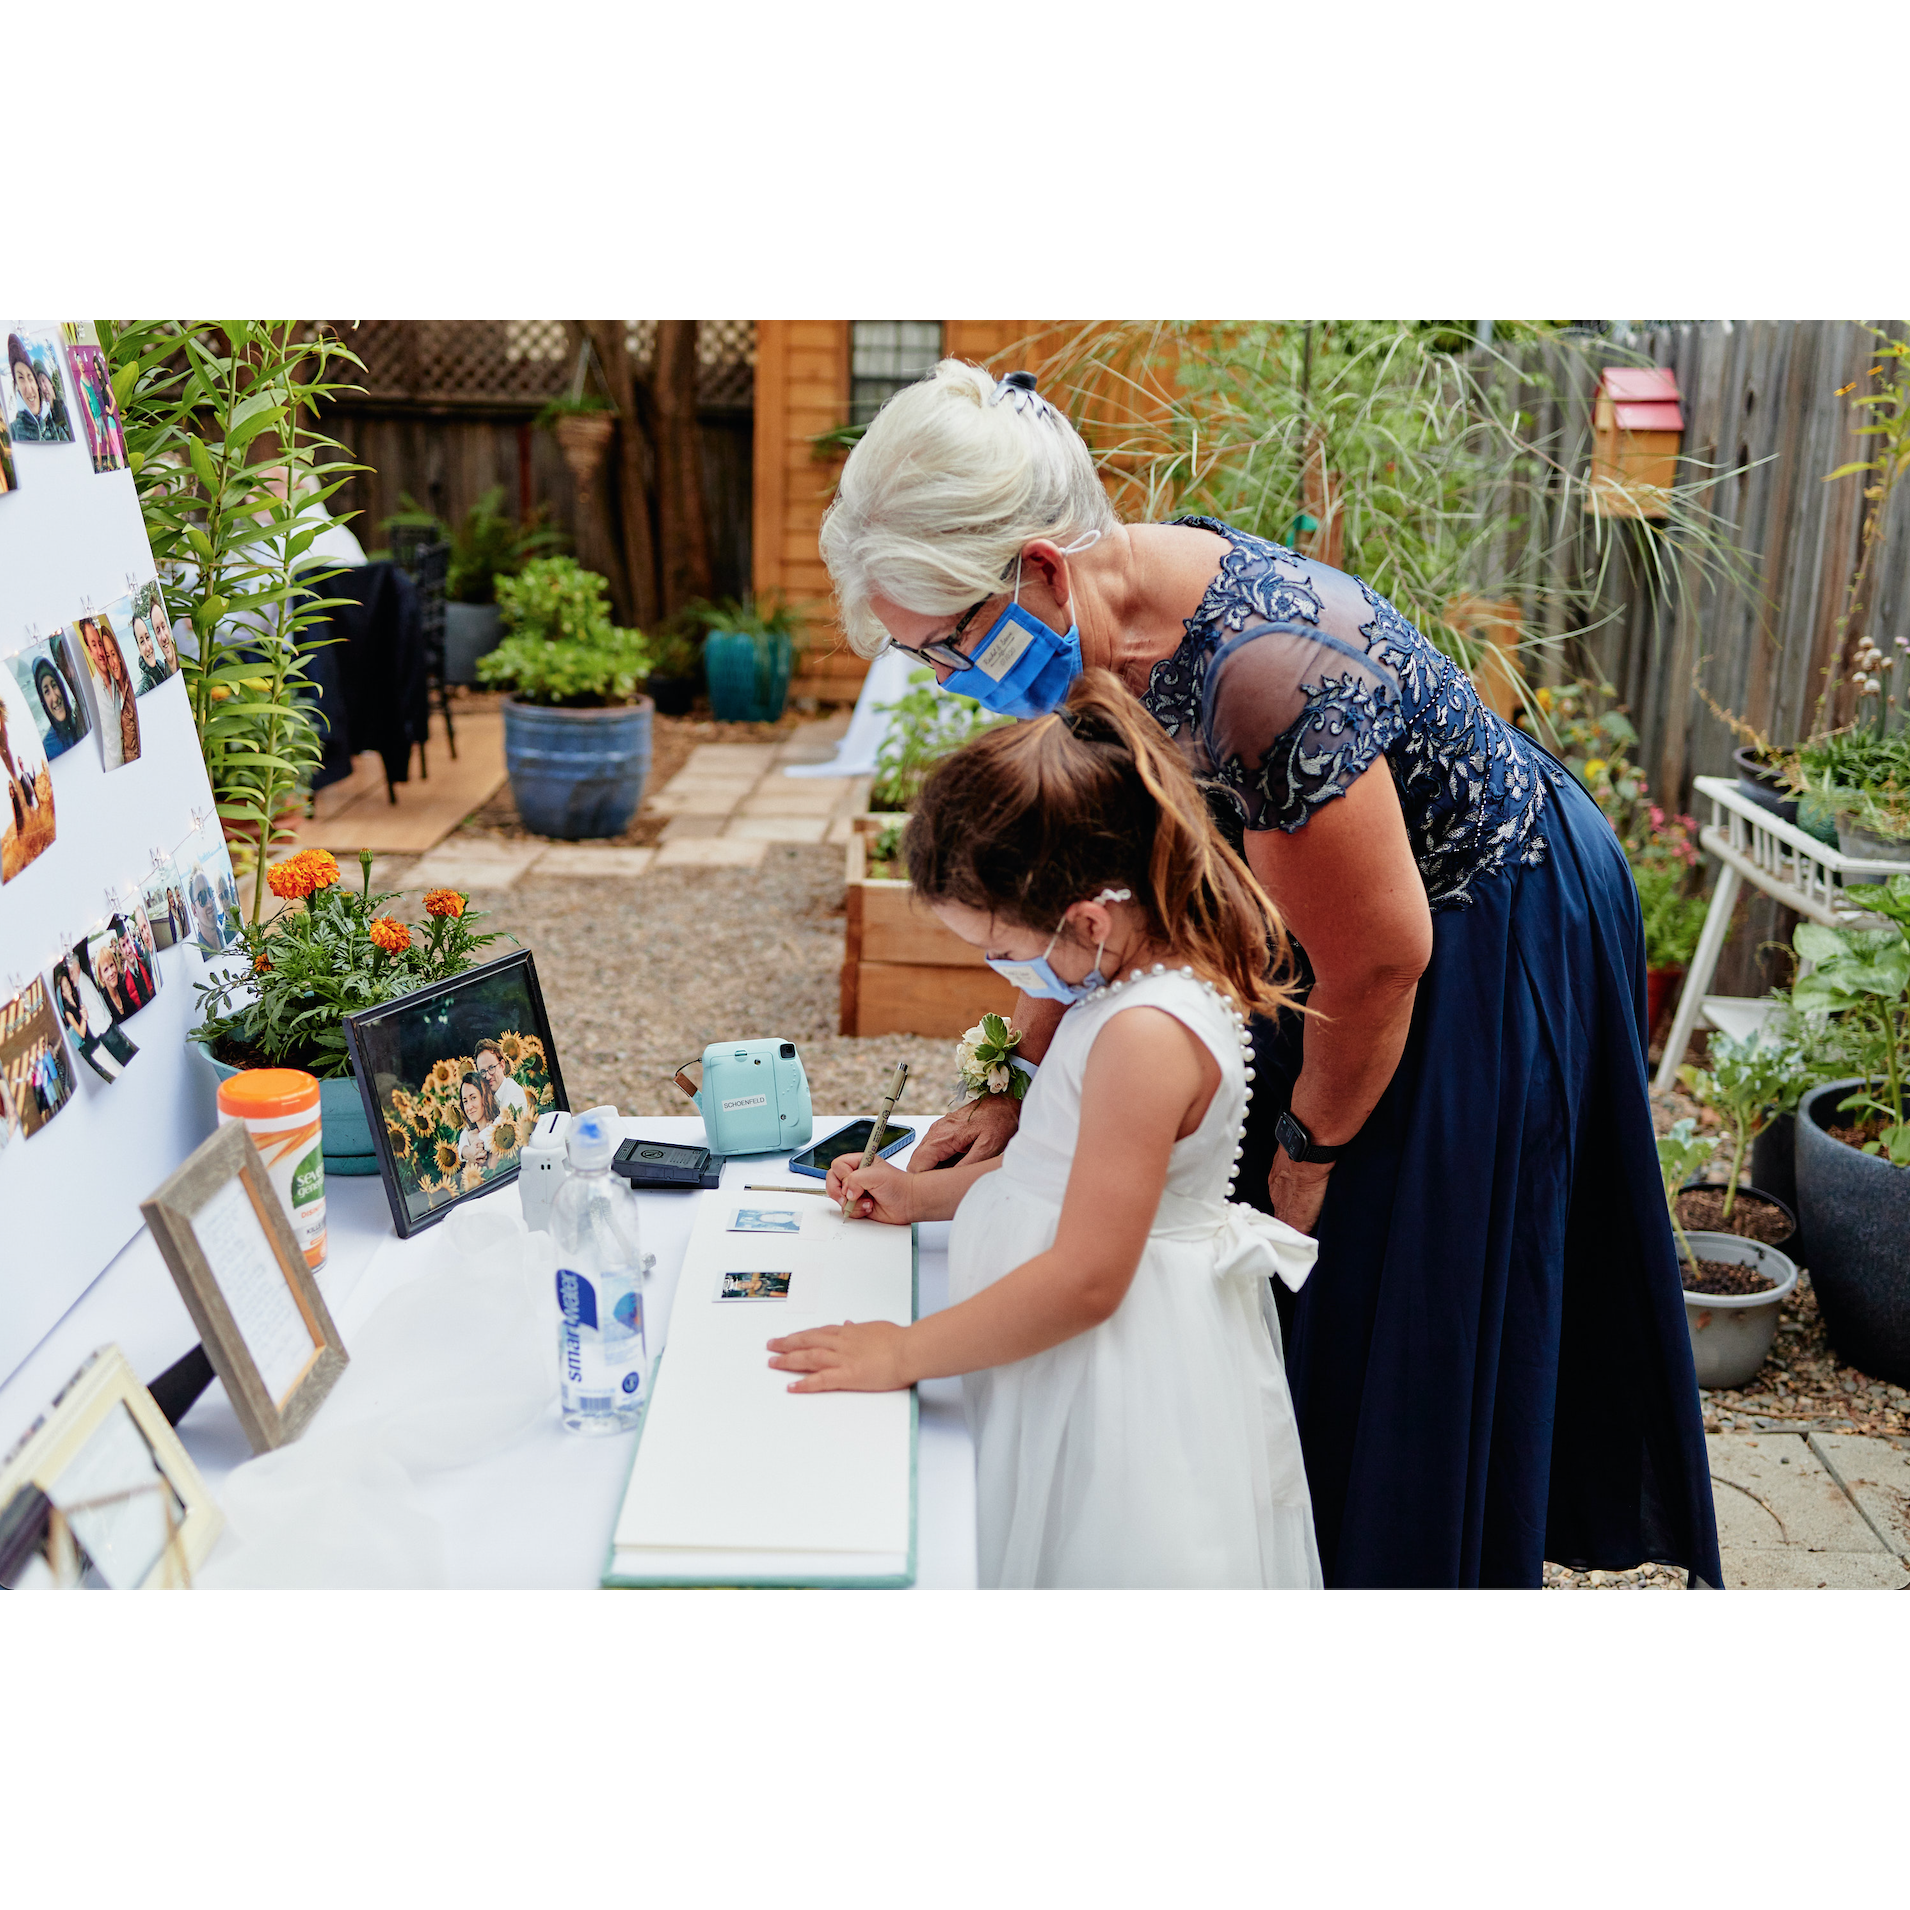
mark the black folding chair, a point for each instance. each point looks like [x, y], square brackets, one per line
[418, 550]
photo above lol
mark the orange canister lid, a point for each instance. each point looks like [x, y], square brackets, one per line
[259, 1093]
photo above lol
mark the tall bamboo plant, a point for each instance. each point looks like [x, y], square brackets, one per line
[1447, 480]
[232, 478]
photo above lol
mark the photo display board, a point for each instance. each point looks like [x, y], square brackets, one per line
[115, 887]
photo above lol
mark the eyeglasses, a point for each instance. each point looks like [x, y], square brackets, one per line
[943, 650]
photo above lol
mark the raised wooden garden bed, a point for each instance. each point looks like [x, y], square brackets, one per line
[903, 973]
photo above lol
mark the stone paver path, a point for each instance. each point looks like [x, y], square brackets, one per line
[1804, 1511]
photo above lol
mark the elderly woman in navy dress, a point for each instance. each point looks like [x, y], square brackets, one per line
[1490, 1365]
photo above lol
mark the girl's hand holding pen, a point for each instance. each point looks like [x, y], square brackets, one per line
[879, 1191]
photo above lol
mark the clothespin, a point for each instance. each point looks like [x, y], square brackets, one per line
[15, 985]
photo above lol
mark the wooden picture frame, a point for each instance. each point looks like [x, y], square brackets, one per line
[397, 1051]
[72, 1494]
[264, 1324]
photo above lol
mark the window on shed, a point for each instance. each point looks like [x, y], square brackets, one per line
[884, 355]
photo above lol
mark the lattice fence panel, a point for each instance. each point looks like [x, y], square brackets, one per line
[525, 361]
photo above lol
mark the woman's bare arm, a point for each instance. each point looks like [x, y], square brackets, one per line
[981, 1128]
[1347, 887]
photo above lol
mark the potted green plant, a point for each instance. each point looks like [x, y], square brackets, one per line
[748, 652]
[327, 954]
[1747, 1083]
[1733, 1287]
[676, 670]
[576, 729]
[485, 545]
[1853, 1134]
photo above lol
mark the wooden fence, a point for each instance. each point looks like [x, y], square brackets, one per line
[446, 413]
[1769, 402]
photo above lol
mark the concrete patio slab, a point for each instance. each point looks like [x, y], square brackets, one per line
[593, 860]
[1783, 1571]
[731, 759]
[714, 853]
[1877, 1475]
[700, 799]
[475, 864]
[1785, 1523]
[775, 798]
[776, 828]
[692, 828]
[833, 786]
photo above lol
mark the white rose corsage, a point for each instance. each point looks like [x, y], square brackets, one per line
[984, 1058]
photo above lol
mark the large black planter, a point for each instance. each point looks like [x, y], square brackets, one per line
[1758, 780]
[1855, 1209]
[1774, 1168]
[577, 773]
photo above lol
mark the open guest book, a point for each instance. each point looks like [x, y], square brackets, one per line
[738, 1481]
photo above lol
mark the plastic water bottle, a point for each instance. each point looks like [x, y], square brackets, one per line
[603, 1354]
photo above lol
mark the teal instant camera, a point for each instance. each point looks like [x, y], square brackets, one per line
[754, 1098]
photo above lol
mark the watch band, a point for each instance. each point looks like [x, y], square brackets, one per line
[1299, 1145]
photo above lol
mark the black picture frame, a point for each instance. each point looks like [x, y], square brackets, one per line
[387, 1045]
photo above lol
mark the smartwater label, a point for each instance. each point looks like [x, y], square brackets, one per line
[745, 1101]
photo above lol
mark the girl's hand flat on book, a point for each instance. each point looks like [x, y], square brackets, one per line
[844, 1359]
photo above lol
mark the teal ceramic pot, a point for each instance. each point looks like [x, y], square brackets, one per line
[748, 682]
[577, 773]
[344, 1131]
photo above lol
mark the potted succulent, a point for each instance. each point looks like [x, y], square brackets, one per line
[1853, 1135]
[1747, 1084]
[1733, 1287]
[576, 730]
[676, 671]
[748, 652]
[327, 954]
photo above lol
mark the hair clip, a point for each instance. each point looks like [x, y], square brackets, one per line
[1115, 895]
[1018, 387]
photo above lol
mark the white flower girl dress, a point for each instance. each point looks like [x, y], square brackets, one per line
[1158, 1448]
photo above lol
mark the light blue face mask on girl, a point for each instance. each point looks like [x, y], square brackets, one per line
[1022, 668]
[1037, 979]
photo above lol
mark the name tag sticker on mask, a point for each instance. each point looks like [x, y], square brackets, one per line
[1022, 975]
[1004, 650]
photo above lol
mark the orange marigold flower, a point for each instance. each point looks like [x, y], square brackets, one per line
[288, 880]
[444, 902]
[392, 936]
[261, 963]
[323, 866]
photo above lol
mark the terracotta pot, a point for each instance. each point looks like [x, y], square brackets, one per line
[1661, 990]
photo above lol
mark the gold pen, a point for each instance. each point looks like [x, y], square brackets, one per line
[758, 1187]
[881, 1122]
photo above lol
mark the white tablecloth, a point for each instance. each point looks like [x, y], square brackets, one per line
[538, 1514]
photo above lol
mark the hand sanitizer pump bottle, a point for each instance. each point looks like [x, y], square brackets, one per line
[603, 1354]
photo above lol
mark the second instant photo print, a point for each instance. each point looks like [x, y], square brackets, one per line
[50, 674]
[115, 695]
[26, 784]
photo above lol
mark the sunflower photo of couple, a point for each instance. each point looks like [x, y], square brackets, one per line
[467, 1119]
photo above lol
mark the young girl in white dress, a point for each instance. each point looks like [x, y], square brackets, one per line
[1111, 1313]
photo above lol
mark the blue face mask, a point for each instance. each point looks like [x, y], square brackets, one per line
[1022, 668]
[1037, 979]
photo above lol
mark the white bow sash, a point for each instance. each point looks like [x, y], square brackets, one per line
[1251, 1244]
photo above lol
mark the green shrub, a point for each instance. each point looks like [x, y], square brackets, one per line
[929, 725]
[562, 649]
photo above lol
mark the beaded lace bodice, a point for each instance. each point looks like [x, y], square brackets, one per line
[1294, 677]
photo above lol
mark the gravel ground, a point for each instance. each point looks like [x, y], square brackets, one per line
[639, 974]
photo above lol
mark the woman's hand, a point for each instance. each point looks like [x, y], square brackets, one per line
[975, 1132]
[879, 1191]
[846, 1358]
[1298, 1190]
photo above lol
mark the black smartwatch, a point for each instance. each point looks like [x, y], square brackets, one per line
[1299, 1145]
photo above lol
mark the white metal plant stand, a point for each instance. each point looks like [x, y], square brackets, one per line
[1753, 845]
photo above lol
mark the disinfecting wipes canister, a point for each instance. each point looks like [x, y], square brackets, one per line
[279, 1107]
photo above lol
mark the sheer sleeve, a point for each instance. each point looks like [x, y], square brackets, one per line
[1290, 717]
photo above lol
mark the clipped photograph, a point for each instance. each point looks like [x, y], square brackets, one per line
[37, 408]
[121, 969]
[26, 822]
[87, 1017]
[152, 635]
[163, 899]
[8, 482]
[34, 1064]
[99, 412]
[204, 864]
[114, 696]
[48, 674]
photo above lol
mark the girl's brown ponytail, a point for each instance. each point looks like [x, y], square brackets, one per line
[1026, 821]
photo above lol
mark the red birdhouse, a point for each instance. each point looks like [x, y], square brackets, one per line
[1637, 430]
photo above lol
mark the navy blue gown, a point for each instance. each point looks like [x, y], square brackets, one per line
[1490, 1363]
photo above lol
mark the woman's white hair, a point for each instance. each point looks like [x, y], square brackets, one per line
[954, 476]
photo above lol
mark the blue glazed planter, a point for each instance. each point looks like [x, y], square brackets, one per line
[746, 686]
[577, 773]
[345, 1134]
[1855, 1210]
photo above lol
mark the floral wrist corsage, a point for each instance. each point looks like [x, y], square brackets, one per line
[983, 1061]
